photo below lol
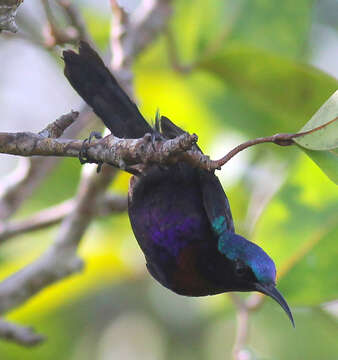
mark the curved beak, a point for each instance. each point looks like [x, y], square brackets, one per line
[271, 291]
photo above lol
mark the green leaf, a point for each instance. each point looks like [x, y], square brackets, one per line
[327, 161]
[322, 145]
[283, 88]
[327, 137]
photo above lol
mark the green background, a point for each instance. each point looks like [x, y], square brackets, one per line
[252, 78]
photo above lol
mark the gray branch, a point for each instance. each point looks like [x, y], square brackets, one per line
[19, 185]
[60, 260]
[110, 204]
[8, 10]
[121, 153]
[20, 335]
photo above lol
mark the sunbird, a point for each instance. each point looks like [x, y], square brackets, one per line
[179, 214]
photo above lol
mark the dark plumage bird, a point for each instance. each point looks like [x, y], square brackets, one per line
[180, 215]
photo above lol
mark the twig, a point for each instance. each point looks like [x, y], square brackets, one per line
[20, 335]
[242, 325]
[132, 34]
[244, 308]
[278, 139]
[149, 19]
[57, 35]
[55, 129]
[52, 33]
[20, 184]
[60, 260]
[128, 152]
[76, 19]
[29, 173]
[110, 204]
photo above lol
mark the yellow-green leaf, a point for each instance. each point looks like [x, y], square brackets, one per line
[327, 137]
[322, 145]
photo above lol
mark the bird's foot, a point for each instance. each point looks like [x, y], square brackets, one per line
[94, 134]
[155, 136]
[83, 153]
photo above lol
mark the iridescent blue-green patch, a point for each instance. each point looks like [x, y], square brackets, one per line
[235, 247]
[219, 225]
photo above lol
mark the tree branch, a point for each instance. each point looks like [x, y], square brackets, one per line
[278, 139]
[120, 153]
[60, 260]
[20, 335]
[59, 35]
[19, 185]
[244, 308]
[110, 204]
[76, 19]
[8, 10]
[123, 153]
[132, 34]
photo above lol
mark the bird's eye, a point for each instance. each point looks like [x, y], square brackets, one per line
[240, 268]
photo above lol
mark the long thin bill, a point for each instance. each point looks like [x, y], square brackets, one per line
[276, 295]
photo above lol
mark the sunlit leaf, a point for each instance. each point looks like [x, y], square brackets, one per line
[327, 161]
[322, 145]
[327, 137]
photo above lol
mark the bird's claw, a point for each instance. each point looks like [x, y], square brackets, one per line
[83, 156]
[99, 166]
[94, 134]
[83, 153]
[155, 136]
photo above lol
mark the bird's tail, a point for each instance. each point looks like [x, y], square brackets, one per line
[91, 79]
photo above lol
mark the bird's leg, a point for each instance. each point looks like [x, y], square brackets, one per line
[83, 155]
[155, 136]
[83, 152]
[94, 134]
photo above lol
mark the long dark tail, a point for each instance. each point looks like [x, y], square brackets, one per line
[91, 79]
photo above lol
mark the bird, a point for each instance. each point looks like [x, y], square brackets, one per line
[180, 214]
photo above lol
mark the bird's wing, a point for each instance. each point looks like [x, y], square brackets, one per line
[92, 80]
[169, 129]
[216, 203]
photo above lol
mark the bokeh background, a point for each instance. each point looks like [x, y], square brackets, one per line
[276, 64]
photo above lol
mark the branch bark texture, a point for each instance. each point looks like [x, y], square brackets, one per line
[112, 150]
[8, 10]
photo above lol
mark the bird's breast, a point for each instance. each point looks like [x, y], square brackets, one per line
[170, 224]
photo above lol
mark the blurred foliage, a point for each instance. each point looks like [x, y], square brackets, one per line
[298, 230]
[254, 79]
[290, 91]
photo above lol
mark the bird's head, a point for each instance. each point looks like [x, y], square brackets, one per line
[253, 269]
